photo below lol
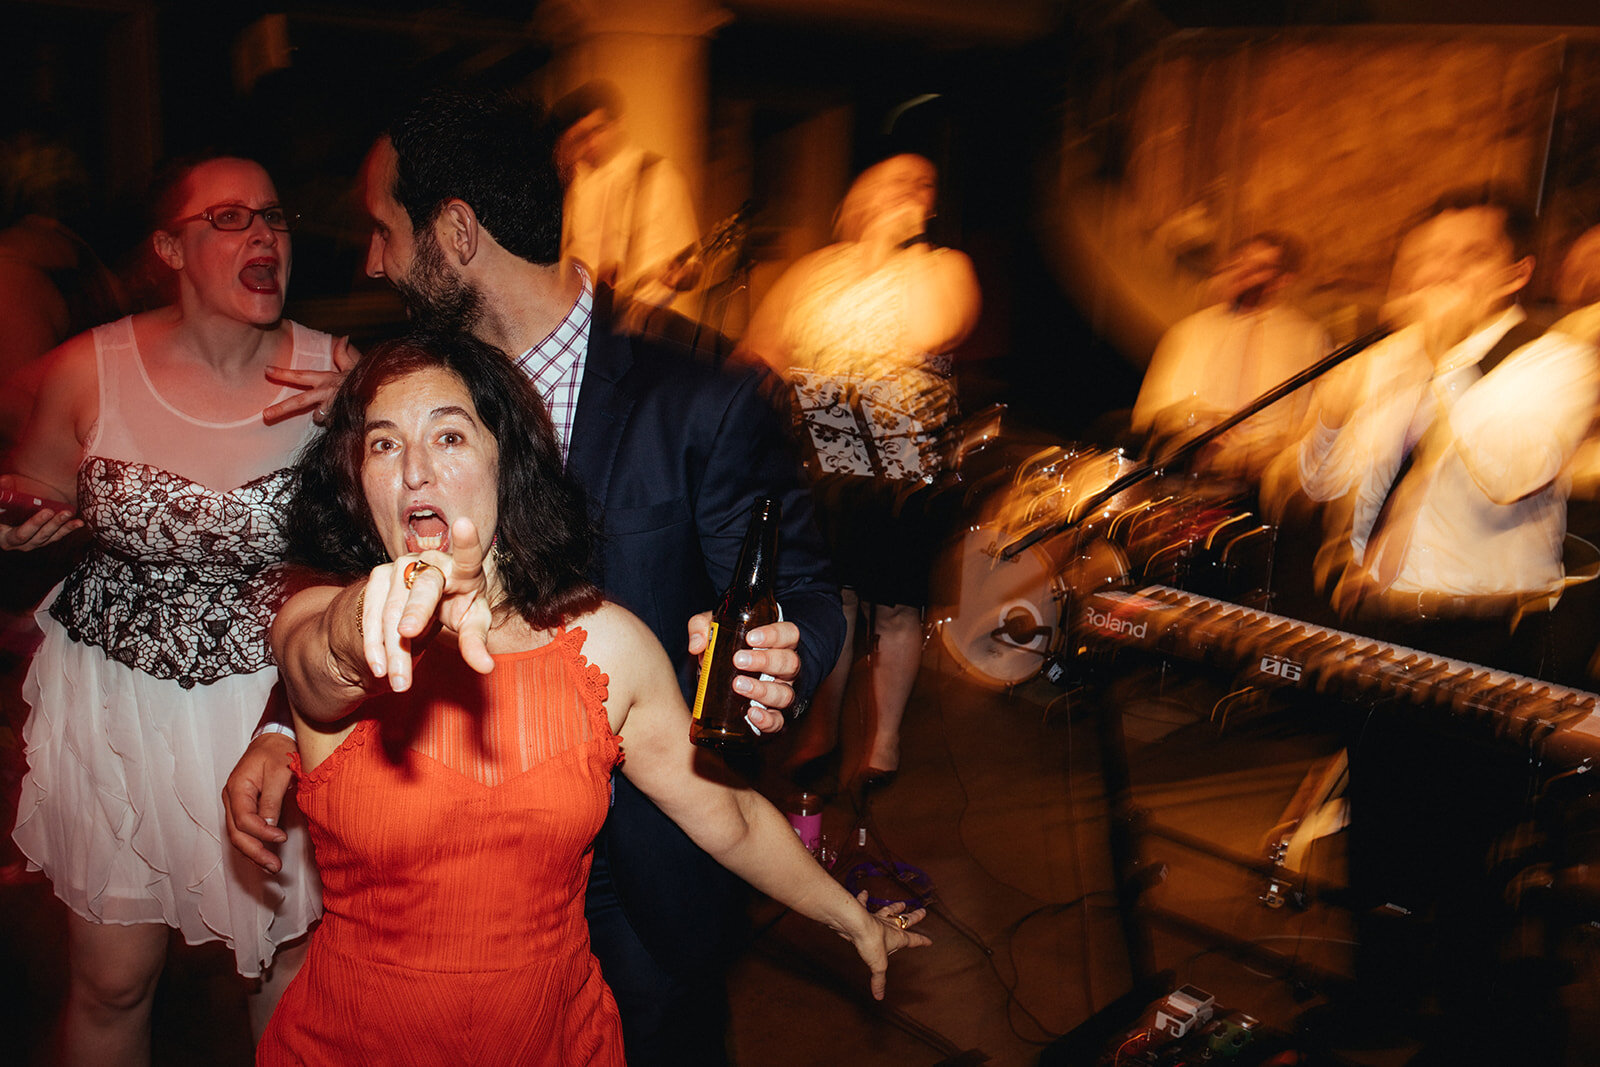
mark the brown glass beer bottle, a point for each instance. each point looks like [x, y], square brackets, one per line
[719, 713]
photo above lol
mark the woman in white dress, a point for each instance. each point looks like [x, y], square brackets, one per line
[168, 439]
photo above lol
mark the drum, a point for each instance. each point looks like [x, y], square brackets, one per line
[1053, 487]
[972, 446]
[1001, 619]
[1005, 617]
[1197, 534]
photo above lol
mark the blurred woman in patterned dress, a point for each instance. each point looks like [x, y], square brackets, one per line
[878, 312]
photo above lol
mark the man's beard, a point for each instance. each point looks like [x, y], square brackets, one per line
[435, 296]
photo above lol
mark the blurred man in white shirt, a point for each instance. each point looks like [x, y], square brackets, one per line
[1451, 440]
[628, 217]
[1213, 362]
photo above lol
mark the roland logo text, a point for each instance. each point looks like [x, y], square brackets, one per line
[1104, 620]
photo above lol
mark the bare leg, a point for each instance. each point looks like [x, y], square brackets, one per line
[818, 731]
[114, 970]
[265, 992]
[895, 663]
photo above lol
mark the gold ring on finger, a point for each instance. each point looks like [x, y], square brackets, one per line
[900, 921]
[415, 567]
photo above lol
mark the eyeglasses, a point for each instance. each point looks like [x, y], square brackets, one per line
[234, 217]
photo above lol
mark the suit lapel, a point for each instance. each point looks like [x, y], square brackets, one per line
[604, 404]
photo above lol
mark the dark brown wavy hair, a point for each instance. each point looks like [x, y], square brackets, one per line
[543, 537]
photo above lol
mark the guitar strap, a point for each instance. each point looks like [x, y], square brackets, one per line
[647, 163]
[1522, 333]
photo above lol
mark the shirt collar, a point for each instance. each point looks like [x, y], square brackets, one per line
[566, 345]
[1470, 352]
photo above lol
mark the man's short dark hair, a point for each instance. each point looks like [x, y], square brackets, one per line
[1291, 250]
[585, 100]
[492, 151]
[1517, 219]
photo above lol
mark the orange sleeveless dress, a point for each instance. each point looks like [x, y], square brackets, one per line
[454, 832]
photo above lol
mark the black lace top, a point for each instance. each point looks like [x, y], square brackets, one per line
[180, 582]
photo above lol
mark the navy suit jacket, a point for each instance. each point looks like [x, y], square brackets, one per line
[672, 446]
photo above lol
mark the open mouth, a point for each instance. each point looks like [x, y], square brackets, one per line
[260, 276]
[426, 530]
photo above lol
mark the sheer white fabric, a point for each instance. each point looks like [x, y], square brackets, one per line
[154, 670]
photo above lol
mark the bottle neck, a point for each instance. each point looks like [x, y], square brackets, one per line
[759, 555]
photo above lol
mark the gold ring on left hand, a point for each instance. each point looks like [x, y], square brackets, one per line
[415, 567]
[900, 921]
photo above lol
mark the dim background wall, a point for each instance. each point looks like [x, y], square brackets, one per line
[1096, 156]
[1337, 135]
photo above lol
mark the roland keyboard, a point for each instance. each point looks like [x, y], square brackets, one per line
[1270, 649]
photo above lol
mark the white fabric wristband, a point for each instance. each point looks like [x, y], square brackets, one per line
[274, 728]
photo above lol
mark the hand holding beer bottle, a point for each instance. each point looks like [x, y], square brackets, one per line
[718, 719]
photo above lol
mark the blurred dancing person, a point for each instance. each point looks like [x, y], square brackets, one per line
[628, 217]
[1578, 294]
[879, 305]
[52, 285]
[1578, 288]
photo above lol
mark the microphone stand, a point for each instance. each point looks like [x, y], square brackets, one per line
[1190, 446]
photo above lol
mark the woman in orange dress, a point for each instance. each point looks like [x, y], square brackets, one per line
[457, 734]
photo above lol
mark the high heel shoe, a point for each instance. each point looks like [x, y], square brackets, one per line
[874, 778]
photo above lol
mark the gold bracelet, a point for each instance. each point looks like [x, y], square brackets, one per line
[361, 611]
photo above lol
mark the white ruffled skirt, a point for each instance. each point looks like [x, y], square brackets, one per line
[122, 803]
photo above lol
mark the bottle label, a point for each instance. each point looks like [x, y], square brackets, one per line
[705, 671]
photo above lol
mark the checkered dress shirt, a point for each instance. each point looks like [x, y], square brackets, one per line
[555, 365]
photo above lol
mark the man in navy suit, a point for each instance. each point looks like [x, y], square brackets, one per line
[672, 447]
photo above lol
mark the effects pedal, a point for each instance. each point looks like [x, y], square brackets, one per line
[1186, 1009]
